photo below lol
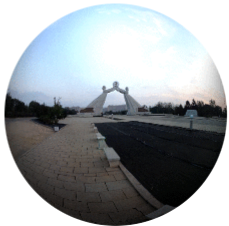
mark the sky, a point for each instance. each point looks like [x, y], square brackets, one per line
[154, 56]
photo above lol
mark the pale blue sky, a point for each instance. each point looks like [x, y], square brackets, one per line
[151, 54]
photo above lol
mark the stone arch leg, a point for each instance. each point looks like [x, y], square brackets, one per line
[132, 104]
[98, 103]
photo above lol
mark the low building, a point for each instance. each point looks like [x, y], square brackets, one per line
[191, 112]
[143, 110]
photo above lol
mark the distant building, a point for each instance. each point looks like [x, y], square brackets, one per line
[143, 110]
[77, 109]
[191, 112]
[87, 110]
[115, 108]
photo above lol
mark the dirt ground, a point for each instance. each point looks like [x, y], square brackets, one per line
[171, 163]
[24, 134]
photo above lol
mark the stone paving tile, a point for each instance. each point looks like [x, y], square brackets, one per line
[73, 186]
[40, 177]
[109, 170]
[102, 174]
[55, 183]
[50, 173]
[67, 194]
[55, 200]
[130, 192]
[86, 156]
[81, 170]
[105, 179]
[85, 160]
[97, 170]
[129, 203]
[90, 175]
[75, 205]
[87, 164]
[72, 213]
[126, 215]
[103, 207]
[66, 178]
[43, 193]
[119, 176]
[108, 196]
[67, 169]
[31, 179]
[45, 165]
[117, 185]
[73, 164]
[70, 160]
[88, 180]
[88, 197]
[99, 218]
[146, 209]
[74, 175]
[37, 162]
[101, 164]
[61, 163]
[54, 167]
[46, 187]
[98, 187]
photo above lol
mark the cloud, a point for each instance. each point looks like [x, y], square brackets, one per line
[105, 10]
[151, 18]
[117, 11]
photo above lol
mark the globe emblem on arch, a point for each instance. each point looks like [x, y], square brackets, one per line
[115, 84]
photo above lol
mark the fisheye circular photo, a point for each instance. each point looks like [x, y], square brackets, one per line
[115, 114]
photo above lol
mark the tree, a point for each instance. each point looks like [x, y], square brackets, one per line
[179, 110]
[212, 103]
[15, 107]
[51, 115]
[200, 104]
[224, 113]
[56, 112]
[8, 105]
[187, 105]
[68, 111]
[35, 108]
[218, 111]
[19, 106]
[193, 105]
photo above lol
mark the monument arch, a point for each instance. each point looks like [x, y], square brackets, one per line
[97, 105]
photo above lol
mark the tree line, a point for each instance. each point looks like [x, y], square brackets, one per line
[204, 110]
[46, 114]
[51, 115]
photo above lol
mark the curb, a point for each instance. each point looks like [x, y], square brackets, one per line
[145, 194]
[141, 189]
[160, 212]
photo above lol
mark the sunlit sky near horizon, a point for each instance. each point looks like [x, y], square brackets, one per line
[153, 55]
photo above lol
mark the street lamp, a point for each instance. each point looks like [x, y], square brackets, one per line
[191, 122]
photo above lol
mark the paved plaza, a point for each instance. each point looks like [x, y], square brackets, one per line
[69, 171]
[199, 123]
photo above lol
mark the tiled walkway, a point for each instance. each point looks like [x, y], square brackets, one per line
[69, 171]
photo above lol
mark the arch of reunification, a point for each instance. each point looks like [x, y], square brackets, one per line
[132, 105]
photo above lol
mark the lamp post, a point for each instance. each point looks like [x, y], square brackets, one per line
[191, 122]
